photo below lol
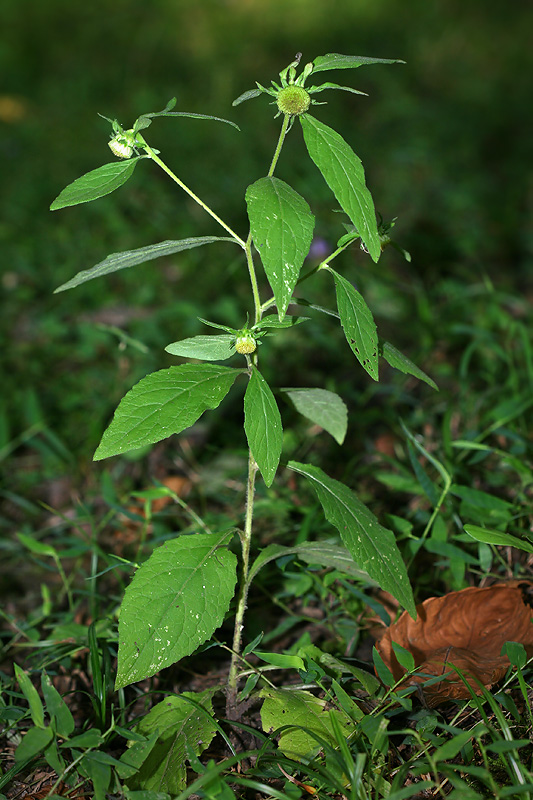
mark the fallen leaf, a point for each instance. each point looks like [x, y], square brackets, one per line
[466, 629]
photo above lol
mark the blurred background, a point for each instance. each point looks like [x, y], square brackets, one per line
[445, 140]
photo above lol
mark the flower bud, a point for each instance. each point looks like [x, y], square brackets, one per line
[245, 344]
[293, 100]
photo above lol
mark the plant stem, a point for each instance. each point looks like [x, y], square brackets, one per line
[246, 540]
[277, 151]
[195, 197]
[246, 537]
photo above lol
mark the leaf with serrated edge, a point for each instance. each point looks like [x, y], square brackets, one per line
[343, 171]
[338, 61]
[400, 362]
[181, 728]
[282, 228]
[95, 184]
[262, 424]
[358, 324]
[130, 258]
[372, 546]
[322, 407]
[175, 602]
[164, 403]
[204, 348]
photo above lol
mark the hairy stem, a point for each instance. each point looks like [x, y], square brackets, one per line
[246, 540]
[195, 197]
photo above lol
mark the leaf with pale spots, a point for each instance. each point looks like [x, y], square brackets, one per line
[175, 602]
[282, 228]
[371, 546]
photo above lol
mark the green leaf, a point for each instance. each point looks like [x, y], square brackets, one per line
[338, 61]
[62, 719]
[329, 85]
[358, 324]
[192, 115]
[372, 546]
[262, 424]
[176, 600]
[498, 538]
[164, 403]
[181, 728]
[32, 696]
[282, 660]
[451, 748]
[343, 172]
[35, 546]
[205, 348]
[322, 407]
[130, 258]
[299, 708]
[248, 95]
[34, 742]
[323, 553]
[274, 322]
[282, 228]
[96, 183]
[397, 360]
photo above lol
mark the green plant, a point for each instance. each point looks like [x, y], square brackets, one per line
[182, 593]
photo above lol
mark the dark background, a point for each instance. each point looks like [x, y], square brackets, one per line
[445, 139]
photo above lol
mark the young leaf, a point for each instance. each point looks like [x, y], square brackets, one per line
[338, 61]
[164, 403]
[282, 228]
[323, 408]
[397, 360]
[176, 600]
[274, 322]
[343, 172]
[358, 324]
[372, 546]
[130, 258]
[96, 183]
[262, 424]
[248, 95]
[181, 728]
[204, 348]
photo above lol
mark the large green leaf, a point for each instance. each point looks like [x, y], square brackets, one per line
[338, 61]
[372, 546]
[164, 403]
[181, 729]
[262, 424]
[282, 228]
[397, 360]
[294, 707]
[130, 258]
[204, 348]
[343, 172]
[176, 600]
[358, 324]
[322, 407]
[96, 183]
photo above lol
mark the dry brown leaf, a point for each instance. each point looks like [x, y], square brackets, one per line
[466, 629]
